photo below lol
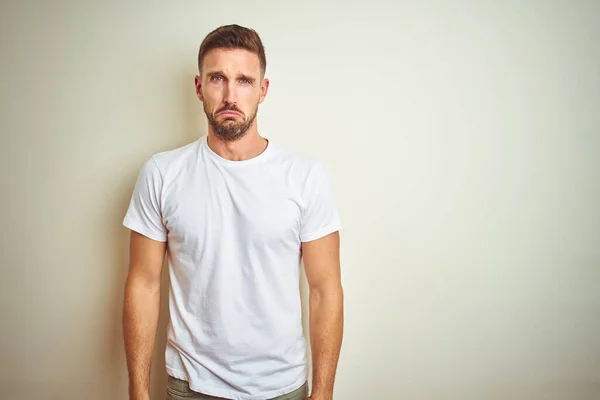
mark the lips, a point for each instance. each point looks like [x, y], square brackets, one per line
[230, 113]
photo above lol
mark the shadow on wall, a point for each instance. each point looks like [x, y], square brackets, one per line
[158, 378]
[304, 292]
[191, 125]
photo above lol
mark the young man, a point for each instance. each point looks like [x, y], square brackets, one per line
[235, 213]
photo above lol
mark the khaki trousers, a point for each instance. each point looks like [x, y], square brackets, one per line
[178, 389]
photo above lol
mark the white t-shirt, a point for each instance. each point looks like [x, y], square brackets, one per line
[234, 231]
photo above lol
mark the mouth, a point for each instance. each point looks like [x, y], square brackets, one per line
[229, 113]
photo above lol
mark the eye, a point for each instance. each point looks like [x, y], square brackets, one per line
[245, 81]
[216, 78]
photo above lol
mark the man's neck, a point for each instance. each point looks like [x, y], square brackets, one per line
[249, 146]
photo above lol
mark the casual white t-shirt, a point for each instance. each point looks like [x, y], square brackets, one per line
[234, 231]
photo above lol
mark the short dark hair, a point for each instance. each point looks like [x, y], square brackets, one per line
[233, 37]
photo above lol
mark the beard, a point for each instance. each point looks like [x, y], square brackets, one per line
[230, 129]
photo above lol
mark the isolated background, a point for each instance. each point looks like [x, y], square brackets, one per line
[462, 140]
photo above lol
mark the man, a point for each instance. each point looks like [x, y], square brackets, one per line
[235, 214]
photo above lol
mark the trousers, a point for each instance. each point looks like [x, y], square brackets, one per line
[178, 389]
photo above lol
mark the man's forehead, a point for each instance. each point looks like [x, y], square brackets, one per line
[234, 60]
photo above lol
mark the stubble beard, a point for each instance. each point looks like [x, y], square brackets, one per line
[230, 130]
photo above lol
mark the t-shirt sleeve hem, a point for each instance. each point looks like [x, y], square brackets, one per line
[135, 226]
[319, 233]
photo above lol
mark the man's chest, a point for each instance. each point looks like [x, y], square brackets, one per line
[239, 209]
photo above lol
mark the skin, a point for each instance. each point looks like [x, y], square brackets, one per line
[326, 303]
[233, 80]
[141, 310]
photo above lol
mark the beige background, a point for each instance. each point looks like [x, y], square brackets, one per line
[462, 139]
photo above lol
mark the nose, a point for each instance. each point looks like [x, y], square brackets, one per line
[230, 95]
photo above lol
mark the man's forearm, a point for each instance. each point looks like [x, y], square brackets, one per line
[326, 331]
[140, 320]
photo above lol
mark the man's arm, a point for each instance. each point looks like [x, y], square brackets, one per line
[141, 310]
[322, 266]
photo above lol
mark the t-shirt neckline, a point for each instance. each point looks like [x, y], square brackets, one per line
[266, 152]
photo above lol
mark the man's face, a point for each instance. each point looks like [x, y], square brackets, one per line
[231, 87]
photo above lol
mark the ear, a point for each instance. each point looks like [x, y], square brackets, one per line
[264, 88]
[198, 84]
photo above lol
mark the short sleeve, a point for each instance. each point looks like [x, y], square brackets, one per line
[144, 212]
[320, 215]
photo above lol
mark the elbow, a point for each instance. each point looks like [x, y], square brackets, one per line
[143, 283]
[330, 294]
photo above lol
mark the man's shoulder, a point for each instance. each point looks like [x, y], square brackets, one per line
[176, 157]
[295, 159]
